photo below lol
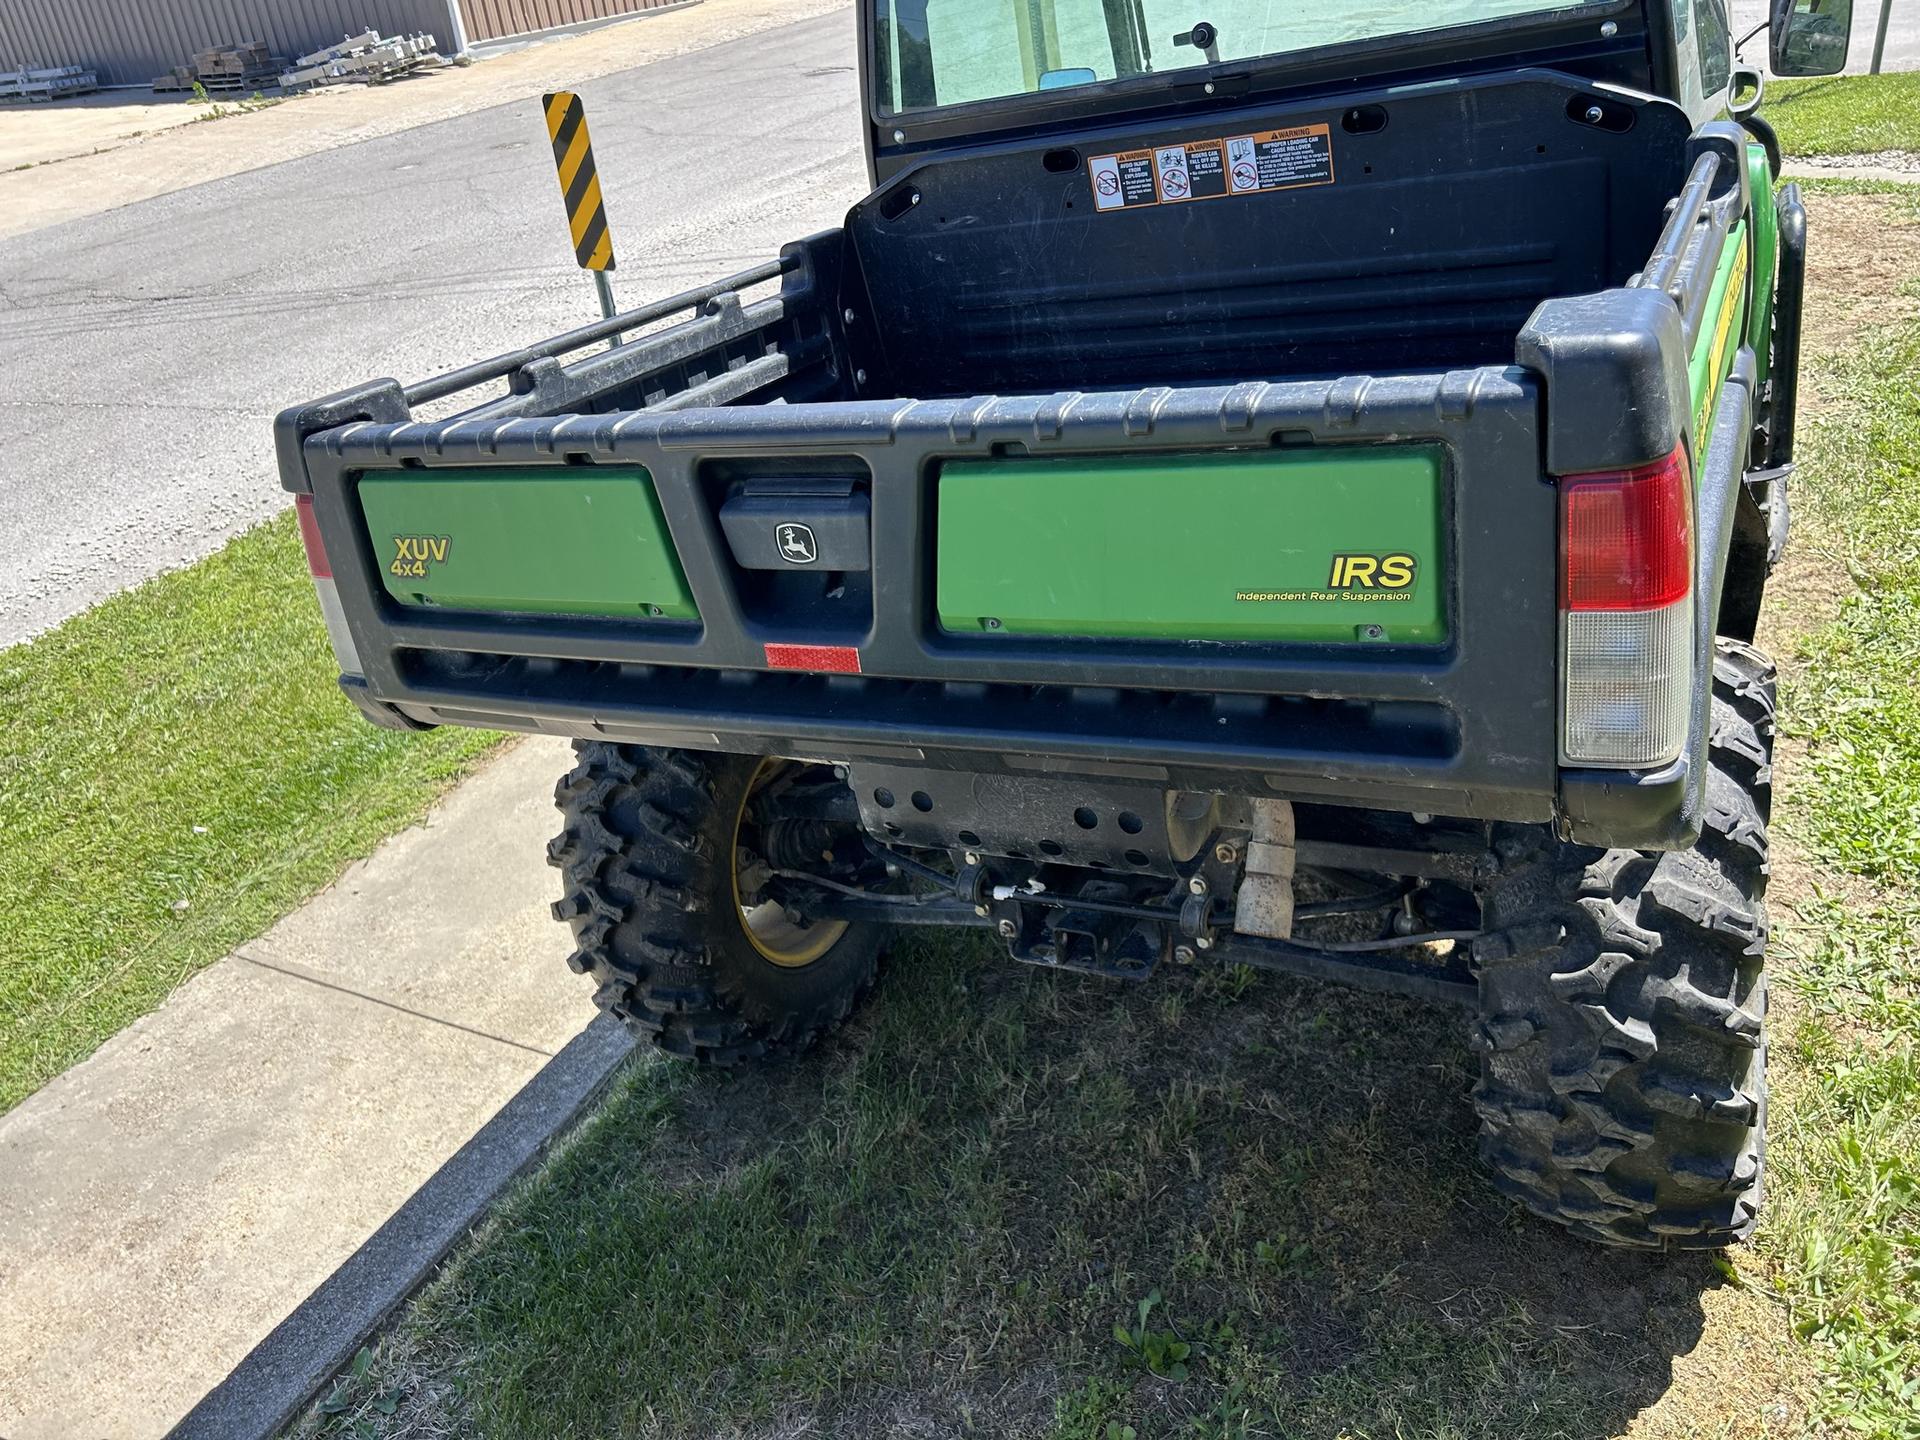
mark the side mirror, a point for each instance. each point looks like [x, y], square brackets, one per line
[1810, 36]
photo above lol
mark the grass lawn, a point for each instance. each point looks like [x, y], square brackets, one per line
[177, 770]
[1842, 1249]
[1006, 1202]
[1845, 114]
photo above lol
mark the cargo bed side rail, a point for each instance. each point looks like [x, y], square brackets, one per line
[1715, 198]
[789, 346]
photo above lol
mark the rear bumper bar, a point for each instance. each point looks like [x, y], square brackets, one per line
[1466, 728]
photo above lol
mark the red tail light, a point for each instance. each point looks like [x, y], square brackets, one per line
[1626, 599]
[324, 589]
[1627, 537]
[316, 548]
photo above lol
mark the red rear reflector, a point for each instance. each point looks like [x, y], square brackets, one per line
[317, 565]
[1627, 537]
[827, 659]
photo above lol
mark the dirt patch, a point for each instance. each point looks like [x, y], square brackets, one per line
[87, 125]
[1859, 277]
[1856, 276]
[1858, 272]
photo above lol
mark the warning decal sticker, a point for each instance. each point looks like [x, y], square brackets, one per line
[1209, 169]
[1123, 180]
[1191, 172]
[1282, 159]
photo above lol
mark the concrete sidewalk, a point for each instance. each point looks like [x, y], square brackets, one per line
[166, 1203]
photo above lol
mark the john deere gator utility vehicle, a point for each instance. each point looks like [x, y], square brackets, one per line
[1236, 451]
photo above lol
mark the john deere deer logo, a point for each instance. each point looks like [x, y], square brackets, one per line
[796, 544]
[414, 553]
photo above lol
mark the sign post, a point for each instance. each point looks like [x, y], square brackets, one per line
[580, 188]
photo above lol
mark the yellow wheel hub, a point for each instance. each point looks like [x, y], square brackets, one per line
[778, 939]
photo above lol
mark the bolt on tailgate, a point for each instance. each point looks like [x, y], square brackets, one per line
[553, 540]
[1326, 544]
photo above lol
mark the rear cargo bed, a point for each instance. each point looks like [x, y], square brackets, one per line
[939, 619]
[1411, 229]
[1448, 212]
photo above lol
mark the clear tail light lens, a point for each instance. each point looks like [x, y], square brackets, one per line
[1626, 600]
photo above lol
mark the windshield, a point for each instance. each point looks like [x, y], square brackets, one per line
[948, 52]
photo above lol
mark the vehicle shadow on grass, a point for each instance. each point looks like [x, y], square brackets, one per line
[931, 1226]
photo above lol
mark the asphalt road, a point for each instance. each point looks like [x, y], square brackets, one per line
[146, 350]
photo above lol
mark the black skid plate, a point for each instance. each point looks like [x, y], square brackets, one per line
[1106, 824]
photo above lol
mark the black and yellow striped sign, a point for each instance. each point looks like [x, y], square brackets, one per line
[579, 181]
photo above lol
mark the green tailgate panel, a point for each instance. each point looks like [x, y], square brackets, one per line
[1325, 545]
[573, 540]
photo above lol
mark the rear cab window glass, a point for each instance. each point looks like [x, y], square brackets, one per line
[953, 52]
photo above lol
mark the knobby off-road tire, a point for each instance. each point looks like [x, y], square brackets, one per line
[1623, 1074]
[647, 856]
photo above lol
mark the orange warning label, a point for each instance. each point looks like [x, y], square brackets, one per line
[1211, 169]
[1281, 159]
[1123, 180]
[1191, 172]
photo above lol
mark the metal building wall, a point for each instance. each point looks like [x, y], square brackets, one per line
[491, 19]
[130, 41]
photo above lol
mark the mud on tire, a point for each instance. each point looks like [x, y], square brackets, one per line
[1623, 1074]
[646, 857]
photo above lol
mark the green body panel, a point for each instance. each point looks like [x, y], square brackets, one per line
[573, 540]
[1766, 255]
[1721, 333]
[1230, 546]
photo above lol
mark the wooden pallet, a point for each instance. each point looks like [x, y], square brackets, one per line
[252, 80]
[224, 69]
